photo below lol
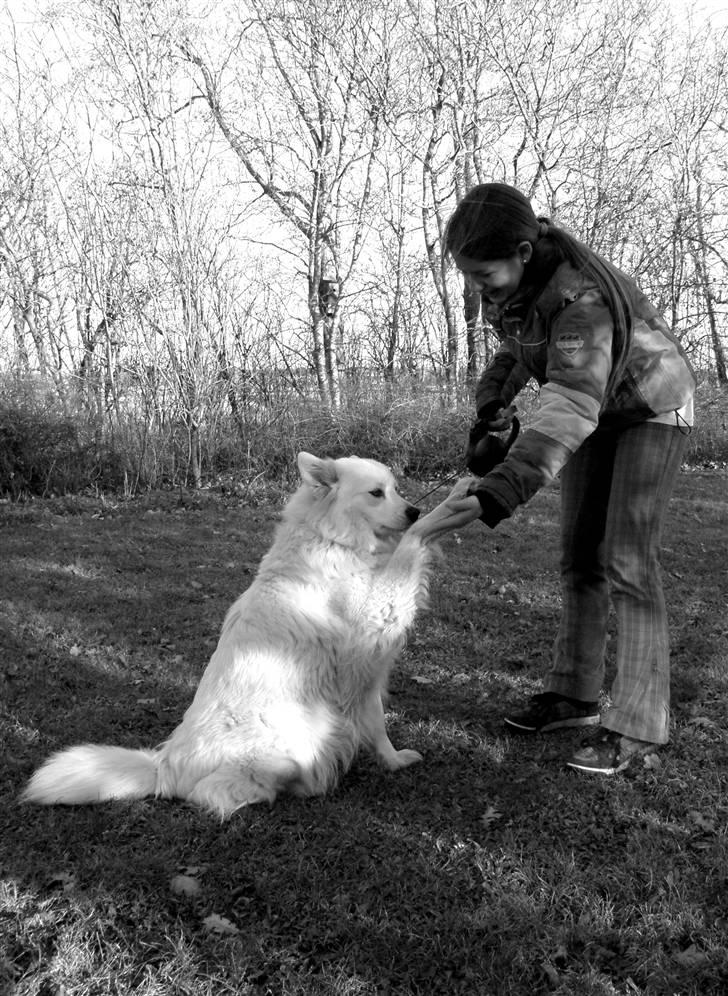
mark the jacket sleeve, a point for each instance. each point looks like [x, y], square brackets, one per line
[578, 366]
[501, 381]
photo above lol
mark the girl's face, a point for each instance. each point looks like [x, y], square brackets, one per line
[496, 279]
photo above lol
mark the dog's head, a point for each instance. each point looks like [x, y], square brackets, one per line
[352, 501]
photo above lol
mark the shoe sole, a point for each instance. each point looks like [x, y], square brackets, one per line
[559, 724]
[615, 769]
[591, 770]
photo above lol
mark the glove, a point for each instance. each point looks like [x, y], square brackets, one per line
[495, 416]
[485, 450]
[488, 411]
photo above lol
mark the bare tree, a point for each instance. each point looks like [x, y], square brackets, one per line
[28, 225]
[306, 126]
[207, 212]
[693, 92]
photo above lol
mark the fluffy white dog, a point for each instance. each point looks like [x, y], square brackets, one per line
[295, 685]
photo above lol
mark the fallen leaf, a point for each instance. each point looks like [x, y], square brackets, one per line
[219, 925]
[194, 870]
[422, 681]
[560, 956]
[184, 885]
[490, 816]
[692, 958]
[75, 651]
[550, 972]
[63, 880]
[703, 721]
[704, 822]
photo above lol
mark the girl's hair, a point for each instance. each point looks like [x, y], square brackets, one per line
[492, 220]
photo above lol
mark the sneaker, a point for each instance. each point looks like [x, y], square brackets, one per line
[550, 711]
[606, 752]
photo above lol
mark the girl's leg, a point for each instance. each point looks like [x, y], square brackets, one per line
[646, 464]
[577, 670]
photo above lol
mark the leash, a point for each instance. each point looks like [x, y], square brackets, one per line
[484, 455]
[440, 484]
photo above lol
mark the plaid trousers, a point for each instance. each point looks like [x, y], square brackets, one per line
[614, 494]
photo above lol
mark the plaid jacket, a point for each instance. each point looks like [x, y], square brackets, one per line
[563, 339]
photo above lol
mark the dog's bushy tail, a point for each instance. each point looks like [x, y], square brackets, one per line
[90, 773]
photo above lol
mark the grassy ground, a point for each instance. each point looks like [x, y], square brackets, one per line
[488, 869]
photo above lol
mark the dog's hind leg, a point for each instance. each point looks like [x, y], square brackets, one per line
[232, 786]
[374, 732]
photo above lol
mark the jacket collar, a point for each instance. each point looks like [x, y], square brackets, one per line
[564, 286]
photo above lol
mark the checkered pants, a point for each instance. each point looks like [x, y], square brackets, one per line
[614, 495]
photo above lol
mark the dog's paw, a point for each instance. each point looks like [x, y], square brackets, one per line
[401, 759]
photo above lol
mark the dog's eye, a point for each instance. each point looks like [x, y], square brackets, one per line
[377, 493]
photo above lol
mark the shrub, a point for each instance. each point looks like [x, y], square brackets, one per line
[45, 451]
[51, 448]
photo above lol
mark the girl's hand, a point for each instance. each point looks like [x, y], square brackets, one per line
[456, 511]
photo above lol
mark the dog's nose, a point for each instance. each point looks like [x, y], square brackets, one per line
[413, 513]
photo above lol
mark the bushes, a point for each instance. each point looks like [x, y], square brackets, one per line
[42, 454]
[44, 450]
[48, 448]
[410, 437]
[708, 444]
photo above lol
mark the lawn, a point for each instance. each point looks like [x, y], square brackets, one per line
[489, 869]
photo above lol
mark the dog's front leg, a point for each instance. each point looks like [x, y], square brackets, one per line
[375, 732]
[402, 586]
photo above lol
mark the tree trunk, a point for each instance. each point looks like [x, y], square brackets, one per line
[473, 326]
[703, 270]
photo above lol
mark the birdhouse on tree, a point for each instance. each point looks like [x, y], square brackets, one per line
[328, 291]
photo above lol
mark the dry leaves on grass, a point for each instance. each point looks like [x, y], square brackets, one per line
[184, 885]
[216, 924]
[490, 816]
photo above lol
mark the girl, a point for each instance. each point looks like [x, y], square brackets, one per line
[615, 410]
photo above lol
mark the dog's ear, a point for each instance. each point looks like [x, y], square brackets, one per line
[317, 472]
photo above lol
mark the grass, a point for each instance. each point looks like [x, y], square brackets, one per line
[489, 869]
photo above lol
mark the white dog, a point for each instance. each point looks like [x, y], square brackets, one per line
[295, 685]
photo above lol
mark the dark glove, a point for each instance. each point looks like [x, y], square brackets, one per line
[488, 411]
[486, 450]
[496, 417]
